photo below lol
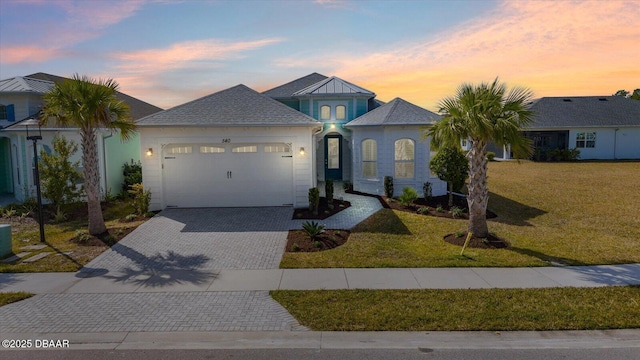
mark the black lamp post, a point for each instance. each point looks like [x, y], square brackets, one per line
[35, 138]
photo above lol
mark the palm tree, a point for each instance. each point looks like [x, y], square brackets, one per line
[483, 113]
[88, 105]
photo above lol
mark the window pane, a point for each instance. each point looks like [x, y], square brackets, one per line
[325, 112]
[369, 150]
[276, 149]
[211, 149]
[245, 149]
[341, 112]
[3, 112]
[333, 153]
[369, 169]
[404, 149]
[404, 170]
[180, 150]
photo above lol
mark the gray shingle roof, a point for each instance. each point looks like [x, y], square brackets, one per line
[396, 112]
[137, 108]
[333, 85]
[585, 111]
[20, 84]
[287, 90]
[236, 106]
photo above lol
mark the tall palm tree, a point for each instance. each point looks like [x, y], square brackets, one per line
[89, 104]
[483, 113]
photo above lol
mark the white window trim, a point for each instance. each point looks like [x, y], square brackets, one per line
[375, 161]
[396, 161]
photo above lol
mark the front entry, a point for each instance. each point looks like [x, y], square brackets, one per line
[333, 157]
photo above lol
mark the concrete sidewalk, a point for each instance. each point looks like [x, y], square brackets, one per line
[312, 279]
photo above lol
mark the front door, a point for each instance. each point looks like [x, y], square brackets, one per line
[333, 157]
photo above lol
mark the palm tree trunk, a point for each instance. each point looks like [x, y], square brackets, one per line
[478, 192]
[92, 181]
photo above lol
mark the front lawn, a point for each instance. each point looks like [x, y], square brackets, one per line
[450, 310]
[579, 213]
[67, 243]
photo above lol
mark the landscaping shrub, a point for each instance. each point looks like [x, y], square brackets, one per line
[427, 191]
[456, 212]
[408, 196]
[312, 229]
[314, 200]
[132, 175]
[491, 156]
[59, 175]
[451, 165]
[328, 190]
[347, 186]
[388, 186]
[141, 198]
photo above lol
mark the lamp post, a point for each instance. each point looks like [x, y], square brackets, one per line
[35, 138]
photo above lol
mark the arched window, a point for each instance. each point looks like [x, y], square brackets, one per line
[404, 158]
[325, 112]
[369, 159]
[341, 112]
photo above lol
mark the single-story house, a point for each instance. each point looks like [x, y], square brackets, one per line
[239, 147]
[600, 127]
[20, 100]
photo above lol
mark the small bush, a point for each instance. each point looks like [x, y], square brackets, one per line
[456, 212]
[314, 200]
[82, 236]
[491, 156]
[347, 186]
[388, 186]
[131, 217]
[423, 210]
[427, 190]
[132, 175]
[141, 198]
[328, 190]
[59, 216]
[408, 196]
[312, 229]
[439, 208]
[295, 247]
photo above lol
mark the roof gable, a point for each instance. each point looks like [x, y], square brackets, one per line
[235, 106]
[287, 90]
[585, 111]
[396, 112]
[20, 84]
[333, 85]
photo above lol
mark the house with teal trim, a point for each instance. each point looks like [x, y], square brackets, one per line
[240, 147]
[20, 100]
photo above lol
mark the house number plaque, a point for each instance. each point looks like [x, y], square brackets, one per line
[226, 140]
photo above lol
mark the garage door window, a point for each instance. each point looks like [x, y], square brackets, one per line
[211, 149]
[245, 149]
[276, 149]
[180, 150]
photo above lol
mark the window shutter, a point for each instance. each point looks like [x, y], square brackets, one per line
[11, 114]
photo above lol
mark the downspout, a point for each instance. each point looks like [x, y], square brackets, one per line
[104, 162]
[615, 142]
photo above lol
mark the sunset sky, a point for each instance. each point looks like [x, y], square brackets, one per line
[170, 52]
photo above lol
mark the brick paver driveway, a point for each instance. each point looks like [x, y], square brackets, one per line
[201, 240]
[178, 248]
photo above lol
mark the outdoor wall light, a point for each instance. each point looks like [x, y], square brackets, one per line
[150, 152]
[333, 126]
[301, 151]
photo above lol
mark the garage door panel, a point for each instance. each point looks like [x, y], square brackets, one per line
[224, 175]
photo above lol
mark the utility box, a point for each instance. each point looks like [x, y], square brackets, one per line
[5, 240]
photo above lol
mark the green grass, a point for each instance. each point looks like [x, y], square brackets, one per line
[581, 213]
[450, 310]
[58, 238]
[11, 297]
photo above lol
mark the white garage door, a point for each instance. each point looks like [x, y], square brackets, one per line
[227, 175]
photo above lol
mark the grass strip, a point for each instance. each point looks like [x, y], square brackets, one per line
[470, 309]
[11, 297]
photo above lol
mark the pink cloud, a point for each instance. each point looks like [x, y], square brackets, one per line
[555, 48]
[25, 54]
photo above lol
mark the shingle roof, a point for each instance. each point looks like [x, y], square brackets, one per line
[333, 85]
[396, 112]
[585, 111]
[287, 90]
[20, 84]
[137, 108]
[236, 106]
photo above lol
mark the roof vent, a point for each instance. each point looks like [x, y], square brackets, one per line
[602, 99]
[566, 100]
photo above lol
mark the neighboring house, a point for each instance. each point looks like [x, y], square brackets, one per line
[601, 127]
[238, 147]
[21, 99]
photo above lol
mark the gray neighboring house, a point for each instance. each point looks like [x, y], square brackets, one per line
[601, 127]
[238, 147]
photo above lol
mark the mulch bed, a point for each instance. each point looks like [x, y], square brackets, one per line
[323, 210]
[329, 239]
[490, 242]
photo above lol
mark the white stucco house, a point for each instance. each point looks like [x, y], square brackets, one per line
[239, 147]
[20, 100]
[600, 127]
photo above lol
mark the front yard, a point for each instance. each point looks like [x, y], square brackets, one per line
[580, 213]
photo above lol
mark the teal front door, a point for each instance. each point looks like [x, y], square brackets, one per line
[333, 157]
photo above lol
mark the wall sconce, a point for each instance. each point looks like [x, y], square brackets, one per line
[332, 126]
[150, 152]
[301, 151]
